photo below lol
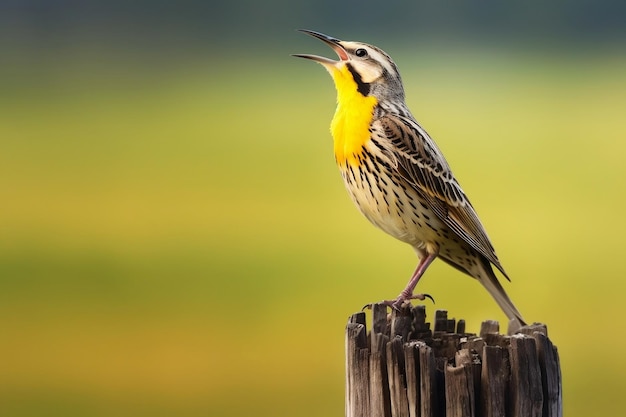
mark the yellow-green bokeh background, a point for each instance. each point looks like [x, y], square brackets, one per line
[175, 238]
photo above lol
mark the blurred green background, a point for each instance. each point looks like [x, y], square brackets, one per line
[176, 240]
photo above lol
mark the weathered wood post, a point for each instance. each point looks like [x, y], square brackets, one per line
[402, 368]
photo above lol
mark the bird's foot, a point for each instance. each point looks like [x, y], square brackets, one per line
[401, 301]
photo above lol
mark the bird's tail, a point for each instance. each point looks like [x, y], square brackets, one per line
[491, 283]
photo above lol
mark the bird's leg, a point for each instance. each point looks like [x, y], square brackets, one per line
[407, 292]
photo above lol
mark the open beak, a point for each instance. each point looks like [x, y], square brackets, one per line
[335, 44]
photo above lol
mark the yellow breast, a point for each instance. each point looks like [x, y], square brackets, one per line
[350, 125]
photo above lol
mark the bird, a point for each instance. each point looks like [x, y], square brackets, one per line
[398, 177]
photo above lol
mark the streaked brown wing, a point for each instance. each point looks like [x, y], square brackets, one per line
[421, 163]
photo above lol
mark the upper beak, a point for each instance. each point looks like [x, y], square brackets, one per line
[330, 41]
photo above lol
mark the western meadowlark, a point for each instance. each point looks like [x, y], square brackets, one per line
[396, 174]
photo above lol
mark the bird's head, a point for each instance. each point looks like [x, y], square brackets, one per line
[372, 71]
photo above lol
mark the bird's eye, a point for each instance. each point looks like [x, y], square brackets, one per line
[360, 52]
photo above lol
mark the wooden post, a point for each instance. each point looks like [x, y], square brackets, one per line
[403, 368]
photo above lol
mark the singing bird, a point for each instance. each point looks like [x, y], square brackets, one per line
[397, 176]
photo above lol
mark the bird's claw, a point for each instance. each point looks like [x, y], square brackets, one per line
[425, 296]
[400, 302]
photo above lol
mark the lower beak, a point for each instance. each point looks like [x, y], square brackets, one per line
[335, 44]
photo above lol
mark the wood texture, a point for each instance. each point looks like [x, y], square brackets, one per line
[397, 381]
[494, 377]
[380, 403]
[412, 366]
[459, 389]
[402, 367]
[428, 382]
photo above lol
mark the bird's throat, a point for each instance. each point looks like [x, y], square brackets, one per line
[351, 123]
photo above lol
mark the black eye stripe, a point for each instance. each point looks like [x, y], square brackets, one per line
[362, 87]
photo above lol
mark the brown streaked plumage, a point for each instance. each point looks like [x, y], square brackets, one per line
[398, 177]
